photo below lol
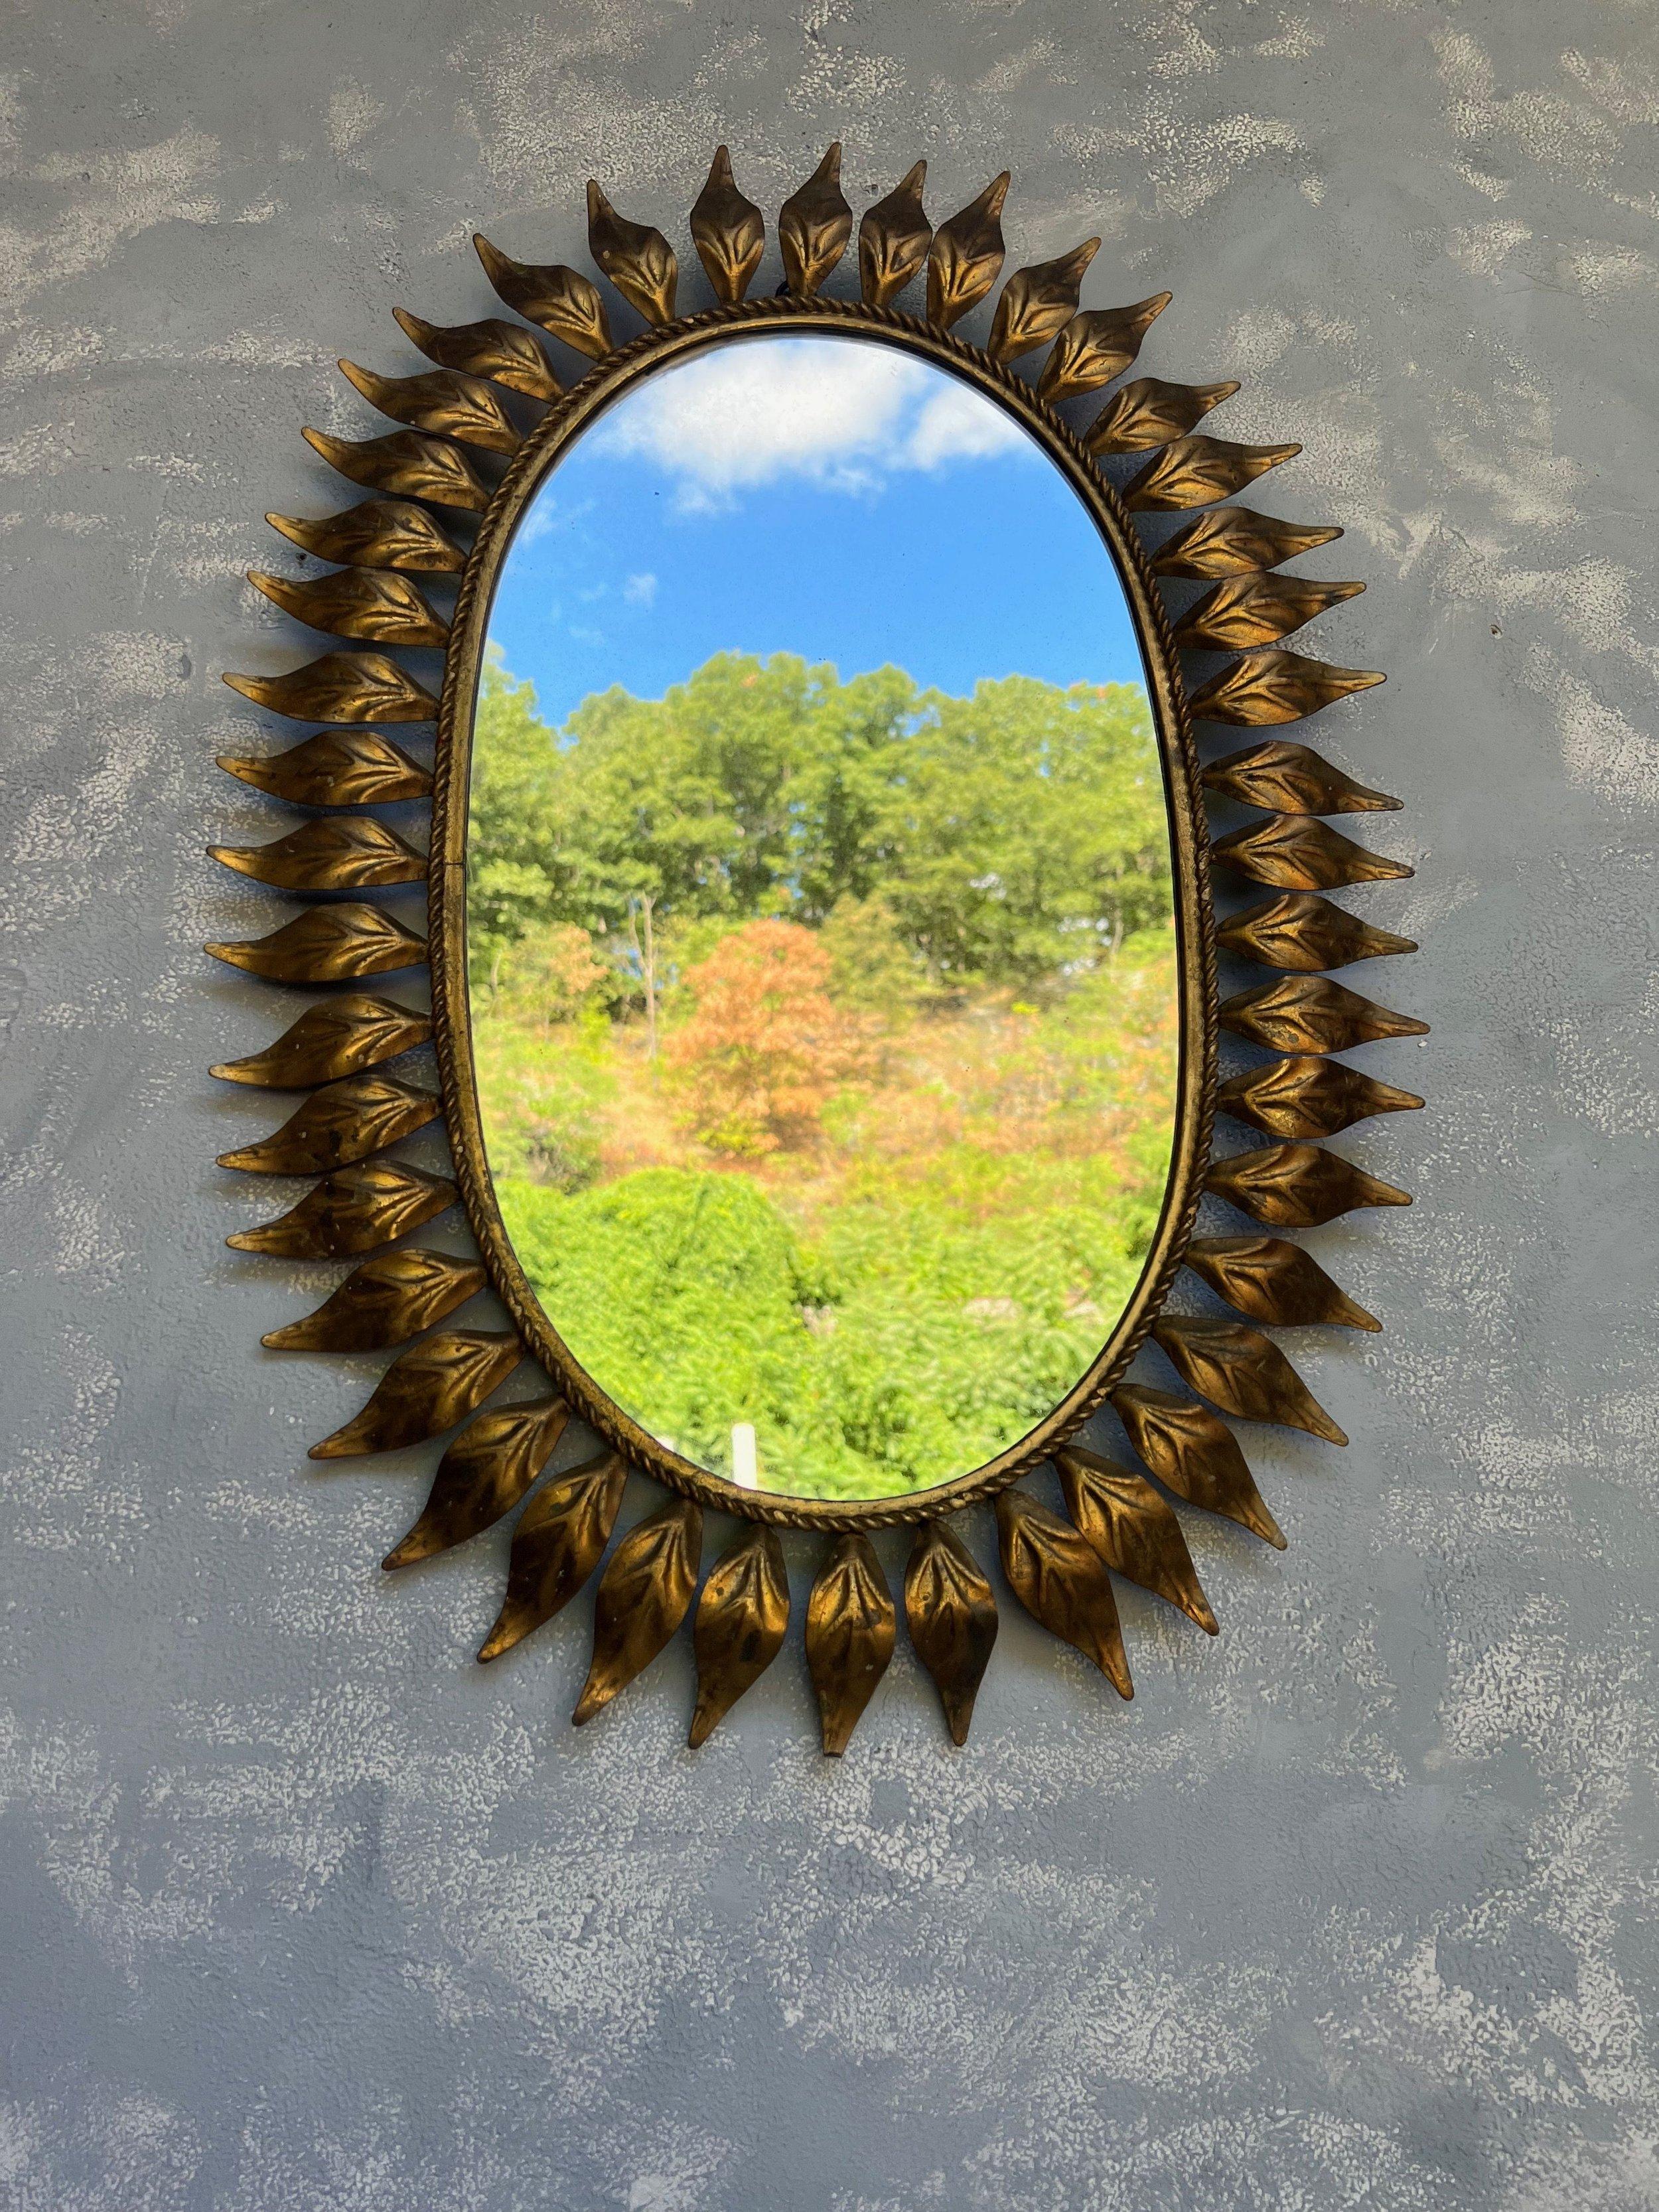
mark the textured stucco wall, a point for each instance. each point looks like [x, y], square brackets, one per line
[1351, 1909]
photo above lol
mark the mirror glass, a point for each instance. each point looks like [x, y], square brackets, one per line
[819, 915]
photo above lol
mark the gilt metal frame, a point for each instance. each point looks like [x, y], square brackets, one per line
[1118, 1519]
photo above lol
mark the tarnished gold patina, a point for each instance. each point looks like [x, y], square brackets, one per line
[459, 421]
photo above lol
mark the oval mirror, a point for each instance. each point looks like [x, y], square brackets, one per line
[821, 918]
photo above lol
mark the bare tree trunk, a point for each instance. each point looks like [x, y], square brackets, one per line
[645, 954]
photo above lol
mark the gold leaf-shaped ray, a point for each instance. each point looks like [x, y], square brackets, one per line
[1192, 1452]
[814, 225]
[385, 1302]
[1265, 688]
[340, 853]
[482, 1475]
[329, 944]
[1309, 1014]
[1195, 471]
[1306, 1097]
[1150, 412]
[965, 258]
[1252, 610]
[1278, 1284]
[1096, 346]
[351, 1212]
[1236, 541]
[644, 1594]
[639, 260]
[851, 1628]
[377, 603]
[893, 240]
[742, 1618]
[505, 352]
[343, 1123]
[348, 767]
[567, 304]
[377, 533]
[1058, 1577]
[1303, 931]
[558, 1542]
[1237, 1368]
[354, 1031]
[1038, 303]
[1291, 778]
[1134, 1530]
[427, 1389]
[728, 231]
[407, 462]
[1297, 1185]
[952, 1617]
[442, 400]
[341, 687]
[1295, 853]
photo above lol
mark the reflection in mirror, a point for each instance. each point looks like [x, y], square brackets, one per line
[819, 918]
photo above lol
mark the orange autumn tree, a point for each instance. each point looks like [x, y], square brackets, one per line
[765, 1046]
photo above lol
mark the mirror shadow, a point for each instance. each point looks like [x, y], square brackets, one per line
[820, 918]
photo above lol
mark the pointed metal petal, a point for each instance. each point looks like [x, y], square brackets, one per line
[1311, 1014]
[346, 767]
[1133, 1529]
[1038, 303]
[1264, 688]
[1271, 1281]
[1150, 412]
[1291, 778]
[1057, 1577]
[1297, 1185]
[563, 300]
[505, 352]
[379, 533]
[1253, 610]
[482, 1475]
[728, 231]
[742, 1618]
[1234, 541]
[639, 260]
[1240, 1370]
[1195, 471]
[1310, 1097]
[1295, 853]
[443, 400]
[338, 1125]
[1192, 1452]
[409, 463]
[341, 687]
[814, 225]
[351, 1212]
[952, 1617]
[344, 1035]
[965, 258]
[893, 240]
[427, 1389]
[1096, 346]
[1305, 933]
[329, 944]
[384, 1302]
[377, 603]
[561, 1536]
[643, 1596]
[341, 852]
[851, 1628]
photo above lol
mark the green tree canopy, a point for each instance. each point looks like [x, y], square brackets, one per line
[1008, 834]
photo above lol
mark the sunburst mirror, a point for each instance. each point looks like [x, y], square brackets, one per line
[822, 944]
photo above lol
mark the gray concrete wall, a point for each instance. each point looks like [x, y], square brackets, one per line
[1353, 1908]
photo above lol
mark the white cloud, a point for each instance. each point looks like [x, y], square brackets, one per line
[839, 414]
[641, 591]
